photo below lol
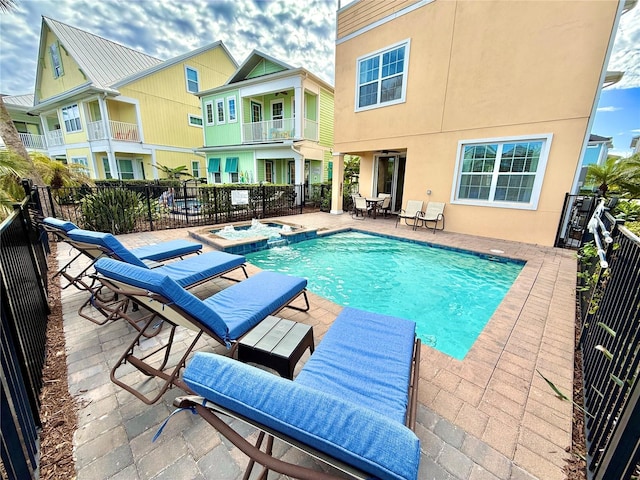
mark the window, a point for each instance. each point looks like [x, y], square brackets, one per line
[277, 113]
[231, 108]
[195, 168]
[107, 168]
[208, 111]
[231, 167]
[126, 170]
[56, 61]
[192, 79]
[505, 173]
[220, 111]
[382, 77]
[71, 118]
[83, 165]
[195, 121]
[213, 169]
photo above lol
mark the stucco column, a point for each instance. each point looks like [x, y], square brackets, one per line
[336, 184]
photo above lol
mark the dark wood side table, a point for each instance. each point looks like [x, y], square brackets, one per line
[276, 343]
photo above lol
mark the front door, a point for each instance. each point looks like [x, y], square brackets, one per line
[268, 171]
[256, 121]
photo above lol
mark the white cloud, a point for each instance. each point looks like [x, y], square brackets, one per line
[626, 50]
[609, 109]
[300, 33]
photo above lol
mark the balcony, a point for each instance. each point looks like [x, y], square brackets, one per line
[126, 132]
[33, 141]
[277, 130]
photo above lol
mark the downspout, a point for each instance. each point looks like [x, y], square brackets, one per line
[299, 171]
[596, 100]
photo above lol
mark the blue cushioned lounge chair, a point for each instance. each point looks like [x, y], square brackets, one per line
[225, 316]
[98, 244]
[352, 405]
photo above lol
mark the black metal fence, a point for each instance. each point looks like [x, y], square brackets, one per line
[129, 207]
[22, 339]
[610, 346]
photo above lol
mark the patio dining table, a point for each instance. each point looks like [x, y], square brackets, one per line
[372, 205]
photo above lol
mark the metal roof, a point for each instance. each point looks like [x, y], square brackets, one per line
[24, 101]
[103, 62]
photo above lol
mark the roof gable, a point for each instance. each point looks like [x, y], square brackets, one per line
[258, 64]
[102, 61]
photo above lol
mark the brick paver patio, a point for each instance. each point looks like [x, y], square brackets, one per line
[489, 416]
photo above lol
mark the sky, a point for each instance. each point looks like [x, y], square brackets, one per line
[298, 32]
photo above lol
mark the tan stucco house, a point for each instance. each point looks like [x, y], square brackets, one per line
[486, 106]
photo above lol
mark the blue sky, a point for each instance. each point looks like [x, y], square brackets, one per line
[618, 117]
[298, 32]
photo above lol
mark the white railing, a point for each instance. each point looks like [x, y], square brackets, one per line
[31, 140]
[54, 138]
[269, 130]
[311, 130]
[96, 130]
[127, 132]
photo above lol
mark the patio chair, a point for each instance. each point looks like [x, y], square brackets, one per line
[360, 207]
[414, 207]
[352, 405]
[433, 214]
[385, 207]
[225, 316]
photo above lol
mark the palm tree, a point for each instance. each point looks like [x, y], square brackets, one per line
[12, 168]
[608, 175]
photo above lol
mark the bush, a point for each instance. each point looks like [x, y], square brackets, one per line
[114, 210]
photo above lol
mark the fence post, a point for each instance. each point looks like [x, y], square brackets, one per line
[623, 452]
[149, 212]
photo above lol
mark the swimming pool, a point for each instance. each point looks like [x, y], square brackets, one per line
[450, 294]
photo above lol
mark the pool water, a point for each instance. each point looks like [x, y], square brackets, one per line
[450, 294]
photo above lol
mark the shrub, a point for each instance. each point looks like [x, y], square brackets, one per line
[114, 210]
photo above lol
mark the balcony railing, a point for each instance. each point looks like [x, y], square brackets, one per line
[54, 138]
[269, 130]
[126, 132]
[31, 140]
[311, 130]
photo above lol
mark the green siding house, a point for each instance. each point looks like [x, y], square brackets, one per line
[269, 122]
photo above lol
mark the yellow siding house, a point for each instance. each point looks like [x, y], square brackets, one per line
[486, 106]
[118, 112]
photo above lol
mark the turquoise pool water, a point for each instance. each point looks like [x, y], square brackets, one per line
[450, 294]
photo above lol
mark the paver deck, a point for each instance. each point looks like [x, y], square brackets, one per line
[488, 416]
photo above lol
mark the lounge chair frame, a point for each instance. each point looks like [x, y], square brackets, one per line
[162, 310]
[212, 414]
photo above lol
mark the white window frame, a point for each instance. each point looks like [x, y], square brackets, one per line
[195, 120]
[83, 162]
[56, 60]
[74, 121]
[219, 111]
[539, 174]
[209, 113]
[405, 72]
[188, 81]
[232, 118]
[195, 168]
